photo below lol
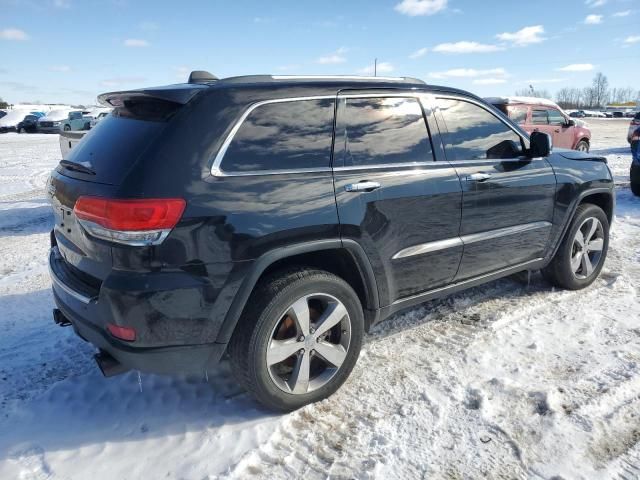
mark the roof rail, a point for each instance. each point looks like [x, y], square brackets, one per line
[201, 76]
[347, 77]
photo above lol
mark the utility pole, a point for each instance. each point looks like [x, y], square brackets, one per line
[375, 67]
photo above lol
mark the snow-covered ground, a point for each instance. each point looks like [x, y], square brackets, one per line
[508, 380]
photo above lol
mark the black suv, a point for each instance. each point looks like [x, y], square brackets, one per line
[278, 218]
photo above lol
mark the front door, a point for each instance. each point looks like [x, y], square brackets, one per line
[508, 199]
[399, 204]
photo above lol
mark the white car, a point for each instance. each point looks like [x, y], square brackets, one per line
[53, 120]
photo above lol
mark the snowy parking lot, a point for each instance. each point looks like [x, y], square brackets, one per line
[509, 380]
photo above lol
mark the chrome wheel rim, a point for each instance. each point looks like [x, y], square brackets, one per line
[587, 248]
[582, 147]
[308, 344]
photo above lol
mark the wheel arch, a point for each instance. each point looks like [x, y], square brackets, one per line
[346, 259]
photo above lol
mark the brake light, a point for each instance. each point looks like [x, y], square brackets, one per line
[127, 334]
[135, 222]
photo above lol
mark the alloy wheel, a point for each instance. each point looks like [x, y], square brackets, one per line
[586, 251]
[309, 343]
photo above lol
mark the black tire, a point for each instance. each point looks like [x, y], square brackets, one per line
[87, 126]
[265, 310]
[583, 146]
[634, 175]
[67, 128]
[559, 271]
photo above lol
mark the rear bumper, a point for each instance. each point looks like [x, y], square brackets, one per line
[89, 311]
[48, 129]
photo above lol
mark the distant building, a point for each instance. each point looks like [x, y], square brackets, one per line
[624, 107]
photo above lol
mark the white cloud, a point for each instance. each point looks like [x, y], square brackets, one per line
[466, 47]
[593, 19]
[148, 26]
[333, 58]
[544, 80]
[489, 81]
[419, 53]
[414, 8]
[136, 43]
[577, 67]
[469, 73]
[525, 36]
[624, 13]
[632, 39]
[13, 34]
[594, 3]
[60, 68]
[383, 67]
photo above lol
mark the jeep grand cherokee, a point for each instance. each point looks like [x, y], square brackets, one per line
[278, 218]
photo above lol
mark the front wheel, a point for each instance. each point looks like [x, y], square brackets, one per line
[582, 253]
[67, 128]
[582, 146]
[298, 339]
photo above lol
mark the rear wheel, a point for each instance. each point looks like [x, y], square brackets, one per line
[298, 339]
[582, 146]
[67, 128]
[582, 253]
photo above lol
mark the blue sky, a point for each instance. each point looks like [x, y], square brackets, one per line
[71, 50]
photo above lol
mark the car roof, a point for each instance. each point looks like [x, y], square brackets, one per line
[521, 100]
[277, 86]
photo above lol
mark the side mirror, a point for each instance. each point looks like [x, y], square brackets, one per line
[570, 123]
[541, 144]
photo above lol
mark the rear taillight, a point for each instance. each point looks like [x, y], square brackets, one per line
[135, 222]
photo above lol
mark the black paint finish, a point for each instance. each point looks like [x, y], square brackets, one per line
[186, 294]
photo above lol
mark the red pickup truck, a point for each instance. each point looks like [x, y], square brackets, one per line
[541, 115]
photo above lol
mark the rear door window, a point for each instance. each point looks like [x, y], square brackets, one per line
[539, 117]
[474, 133]
[288, 135]
[381, 131]
[518, 115]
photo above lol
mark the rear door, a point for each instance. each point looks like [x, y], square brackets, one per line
[508, 199]
[393, 199]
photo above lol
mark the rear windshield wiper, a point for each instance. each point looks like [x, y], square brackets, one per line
[77, 167]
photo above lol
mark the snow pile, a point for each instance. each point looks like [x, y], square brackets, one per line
[508, 380]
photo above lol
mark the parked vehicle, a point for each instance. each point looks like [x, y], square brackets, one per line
[52, 121]
[278, 218]
[9, 122]
[540, 115]
[579, 114]
[634, 173]
[98, 117]
[77, 120]
[617, 114]
[608, 114]
[633, 126]
[28, 125]
[69, 139]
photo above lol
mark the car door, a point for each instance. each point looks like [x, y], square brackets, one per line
[508, 199]
[393, 198]
[540, 121]
[562, 133]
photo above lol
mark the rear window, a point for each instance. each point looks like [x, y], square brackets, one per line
[288, 135]
[111, 148]
[518, 115]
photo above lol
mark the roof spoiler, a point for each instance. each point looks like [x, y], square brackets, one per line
[180, 94]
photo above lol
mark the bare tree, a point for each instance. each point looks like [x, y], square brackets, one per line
[532, 92]
[600, 90]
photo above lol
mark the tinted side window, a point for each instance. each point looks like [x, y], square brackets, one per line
[283, 136]
[539, 117]
[555, 117]
[518, 114]
[376, 131]
[474, 133]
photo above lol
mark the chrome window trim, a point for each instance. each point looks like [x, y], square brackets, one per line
[383, 165]
[216, 169]
[336, 77]
[462, 98]
[468, 239]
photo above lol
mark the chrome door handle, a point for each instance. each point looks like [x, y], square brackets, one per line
[478, 177]
[362, 186]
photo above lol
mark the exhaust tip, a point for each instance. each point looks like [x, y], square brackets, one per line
[108, 365]
[60, 319]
